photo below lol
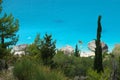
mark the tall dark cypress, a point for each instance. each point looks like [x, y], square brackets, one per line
[76, 51]
[98, 66]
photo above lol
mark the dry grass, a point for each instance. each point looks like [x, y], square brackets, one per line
[7, 75]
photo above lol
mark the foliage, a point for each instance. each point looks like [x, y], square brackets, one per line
[4, 53]
[98, 50]
[8, 29]
[27, 69]
[47, 49]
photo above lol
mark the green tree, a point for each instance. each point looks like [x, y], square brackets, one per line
[8, 28]
[98, 50]
[76, 51]
[47, 49]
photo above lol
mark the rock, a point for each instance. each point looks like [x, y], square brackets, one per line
[92, 46]
[19, 49]
[80, 77]
[76, 78]
[68, 50]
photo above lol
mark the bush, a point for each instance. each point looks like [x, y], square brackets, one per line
[23, 69]
[26, 69]
[72, 66]
[93, 75]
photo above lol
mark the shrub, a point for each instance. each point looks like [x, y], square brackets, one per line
[23, 69]
[93, 75]
[72, 66]
[26, 69]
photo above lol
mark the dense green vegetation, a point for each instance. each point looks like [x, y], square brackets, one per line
[71, 65]
[42, 61]
[28, 69]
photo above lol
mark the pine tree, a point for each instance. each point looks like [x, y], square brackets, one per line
[48, 49]
[8, 29]
[76, 51]
[98, 50]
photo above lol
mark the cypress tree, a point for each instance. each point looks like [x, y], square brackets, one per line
[98, 66]
[76, 51]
